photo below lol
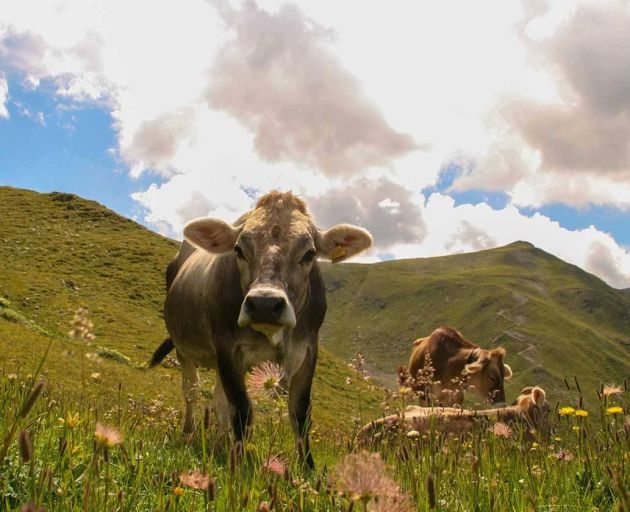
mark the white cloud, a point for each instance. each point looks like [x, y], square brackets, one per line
[225, 103]
[466, 227]
[583, 136]
[4, 96]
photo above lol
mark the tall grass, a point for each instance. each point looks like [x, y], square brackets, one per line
[583, 466]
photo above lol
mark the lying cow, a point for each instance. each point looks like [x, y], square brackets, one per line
[530, 410]
[449, 357]
[250, 292]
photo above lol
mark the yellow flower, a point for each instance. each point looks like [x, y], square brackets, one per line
[581, 413]
[72, 420]
[566, 411]
[614, 410]
[178, 491]
[404, 390]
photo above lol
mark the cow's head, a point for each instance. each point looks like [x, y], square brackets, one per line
[275, 245]
[487, 373]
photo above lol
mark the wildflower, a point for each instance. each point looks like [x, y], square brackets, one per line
[413, 434]
[195, 480]
[362, 477]
[274, 464]
[81, 326]
[404, 390]
[95, 376]
[12, 376]
[581, 413]
[610, 390]
[564, 455]
[72, 420]
[500, 429]
[264, 380]
[614, 410]
[566, 411]
[107, 437]
[178, 491]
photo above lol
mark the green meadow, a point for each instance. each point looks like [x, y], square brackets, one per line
[104, 433]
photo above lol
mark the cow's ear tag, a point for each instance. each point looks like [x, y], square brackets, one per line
[338, 253]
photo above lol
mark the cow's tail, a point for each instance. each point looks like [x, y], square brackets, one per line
[161, 352]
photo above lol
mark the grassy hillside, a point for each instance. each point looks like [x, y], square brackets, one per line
[59, 252]
[554, 319]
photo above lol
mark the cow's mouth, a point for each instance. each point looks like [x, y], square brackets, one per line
[267, 329]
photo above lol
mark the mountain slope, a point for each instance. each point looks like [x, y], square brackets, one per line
[554, 319]
[59, 252]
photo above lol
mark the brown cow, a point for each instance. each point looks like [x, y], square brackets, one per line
[451, 358]
[530, 410]
[250, 292]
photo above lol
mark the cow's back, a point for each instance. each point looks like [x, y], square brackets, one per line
[442, 351]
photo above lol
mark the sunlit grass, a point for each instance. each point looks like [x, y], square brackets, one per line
[128, 454]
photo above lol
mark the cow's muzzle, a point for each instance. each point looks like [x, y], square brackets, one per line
[267, 310]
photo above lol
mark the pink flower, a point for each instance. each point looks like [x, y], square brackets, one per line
[275, 464]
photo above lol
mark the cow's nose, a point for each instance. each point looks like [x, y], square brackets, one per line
[265, 308]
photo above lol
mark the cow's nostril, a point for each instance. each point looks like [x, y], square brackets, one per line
[278, 306]
[250, 305]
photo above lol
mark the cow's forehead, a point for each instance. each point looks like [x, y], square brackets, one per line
[278, 225]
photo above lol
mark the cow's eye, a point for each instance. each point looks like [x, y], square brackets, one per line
[239, 252]
[308, 256]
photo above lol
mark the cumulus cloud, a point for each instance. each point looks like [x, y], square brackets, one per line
[389, 211]
[277, 77]
[585, 133]
[156, 141]
[226, 103]
[451, 228]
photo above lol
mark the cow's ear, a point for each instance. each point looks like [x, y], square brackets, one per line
[342, 242]
[538, 395]
[507, 371]
[498, 352]
[471, 368]
[212, 235]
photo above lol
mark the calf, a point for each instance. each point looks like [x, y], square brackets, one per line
[530, 409]
[250, 292]
[448, 359]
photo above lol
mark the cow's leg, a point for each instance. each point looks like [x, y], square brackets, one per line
[232, 378]
[221, 407]
[190, 387]
[300, 405]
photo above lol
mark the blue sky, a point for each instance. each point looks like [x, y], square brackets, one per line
[213, 106]
[73, 151]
